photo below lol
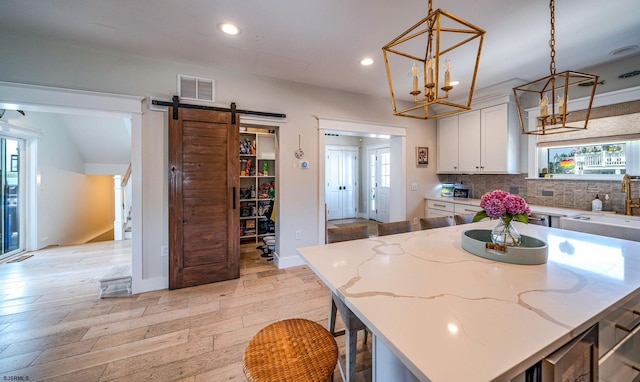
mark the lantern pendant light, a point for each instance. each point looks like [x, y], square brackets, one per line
[443, 34]
[552, 94]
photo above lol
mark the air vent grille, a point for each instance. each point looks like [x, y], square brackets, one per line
[194, 88]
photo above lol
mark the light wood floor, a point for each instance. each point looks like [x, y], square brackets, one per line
[53, 327]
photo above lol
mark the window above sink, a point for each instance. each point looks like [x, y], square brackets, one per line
[606, 150]
[604, 159]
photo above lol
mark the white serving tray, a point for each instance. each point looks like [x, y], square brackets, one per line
[531, 251]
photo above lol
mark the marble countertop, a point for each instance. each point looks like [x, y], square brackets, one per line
[452, 316]
[543, 210]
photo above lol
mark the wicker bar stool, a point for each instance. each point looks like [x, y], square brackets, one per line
[291, 350]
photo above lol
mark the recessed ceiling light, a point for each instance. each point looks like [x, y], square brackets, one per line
[229, 29]
[629, 74]
[366, 61]
[624, 49]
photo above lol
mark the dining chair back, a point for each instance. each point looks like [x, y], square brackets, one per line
[394, 227]
[352, 323]
[435, 222]
[345, 233]
[463, 219]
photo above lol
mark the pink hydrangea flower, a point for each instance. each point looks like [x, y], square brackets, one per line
[500, 204]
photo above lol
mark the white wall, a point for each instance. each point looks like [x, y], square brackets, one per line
[73, 207]
[45, 63]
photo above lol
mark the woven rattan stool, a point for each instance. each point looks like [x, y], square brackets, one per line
[291, 350]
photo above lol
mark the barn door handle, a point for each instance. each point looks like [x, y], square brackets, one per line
[234, 198]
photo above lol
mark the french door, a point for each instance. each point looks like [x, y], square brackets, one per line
[11, 194]
[341, 172]
[379, 163]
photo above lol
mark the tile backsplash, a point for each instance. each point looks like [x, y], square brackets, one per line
[576, 194]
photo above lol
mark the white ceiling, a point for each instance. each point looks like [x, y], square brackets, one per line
[103, 140]
[321, 42]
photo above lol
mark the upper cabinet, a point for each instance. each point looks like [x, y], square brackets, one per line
[447, 149]
[484, 141]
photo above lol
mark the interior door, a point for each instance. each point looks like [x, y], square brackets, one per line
[341, 183]
[349, 160]
[383, 184]
[333, 179]
[379, 183]
[204, 244]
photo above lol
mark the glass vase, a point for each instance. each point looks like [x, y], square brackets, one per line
[506, 234]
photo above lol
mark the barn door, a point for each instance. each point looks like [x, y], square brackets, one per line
[204, 245]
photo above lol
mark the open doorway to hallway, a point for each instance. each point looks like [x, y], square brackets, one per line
[357, 177]
[332, 132]
[58, 185]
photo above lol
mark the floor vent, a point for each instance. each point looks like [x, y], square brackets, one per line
[194, 88]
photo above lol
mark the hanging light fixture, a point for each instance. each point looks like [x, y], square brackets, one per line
[552, 95]
[444, 35]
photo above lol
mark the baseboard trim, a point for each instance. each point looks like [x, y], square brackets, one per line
[148, 285]
[289, 261]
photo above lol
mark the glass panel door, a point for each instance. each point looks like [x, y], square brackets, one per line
[10, 194]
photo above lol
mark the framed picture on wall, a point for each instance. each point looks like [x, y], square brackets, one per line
[422, 155]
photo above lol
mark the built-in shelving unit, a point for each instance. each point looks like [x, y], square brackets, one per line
[258, 148]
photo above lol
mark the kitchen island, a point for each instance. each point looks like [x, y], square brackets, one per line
[447, 315]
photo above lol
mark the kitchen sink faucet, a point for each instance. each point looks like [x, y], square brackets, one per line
[626, 187]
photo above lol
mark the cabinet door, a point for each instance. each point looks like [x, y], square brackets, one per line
[448, 144]
[495, 139]
[469, 143]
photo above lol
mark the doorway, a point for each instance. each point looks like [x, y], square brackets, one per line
[36, 99]
[396, 137]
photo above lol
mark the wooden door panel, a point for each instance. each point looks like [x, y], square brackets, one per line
[194, 275]
[204, 183]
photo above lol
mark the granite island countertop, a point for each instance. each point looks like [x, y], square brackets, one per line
[449, 315]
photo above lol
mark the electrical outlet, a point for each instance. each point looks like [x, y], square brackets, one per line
[164, 250]
[298, 235]
[415, 221]
[414, 186]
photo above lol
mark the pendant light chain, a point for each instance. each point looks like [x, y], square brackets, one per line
[552, 41]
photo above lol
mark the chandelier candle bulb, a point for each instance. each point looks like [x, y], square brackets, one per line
[544, 109]
[414, 69]
[430, 71]
[560, 105]
[447, 73]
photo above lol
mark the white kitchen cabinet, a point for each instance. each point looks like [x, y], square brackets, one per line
[469, 155]
[499, 140]
[484, 141]
[439, 208]
[464, 209]
[447, 144]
